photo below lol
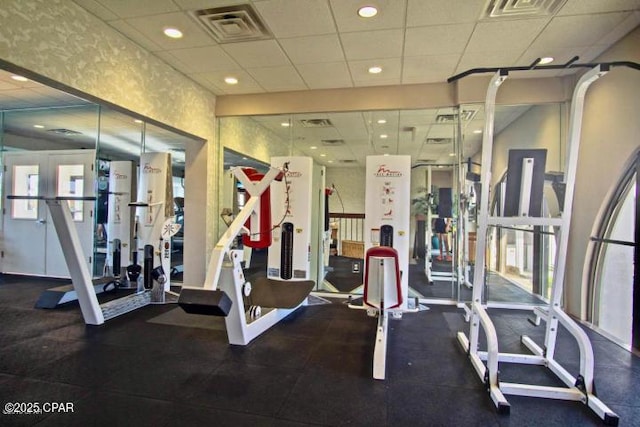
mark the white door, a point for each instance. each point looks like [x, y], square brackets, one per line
[25, 220]
[31, 244]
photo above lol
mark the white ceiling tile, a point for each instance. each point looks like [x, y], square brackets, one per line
[152, 28]
[206, 4]
[499, 35]
[312, 49]
[437, 40]
[136, 36]
[569, 31]
[391, 14]
[439, 12]
[201, 78]
[631, 21]
[202, 59]
[246, 83]
[372, 44]
[256, 54]
[325, 75]
[97, 9]
[390, 71]
[294, 19]
[428, 69]
[129, 9]
[505, 58]
[578, 7]
[276, 79]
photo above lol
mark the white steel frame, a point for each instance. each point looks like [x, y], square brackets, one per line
[225, 270]
[580, 388]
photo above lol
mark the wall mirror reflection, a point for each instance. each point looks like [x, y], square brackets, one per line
[444, 146]
[58, 145]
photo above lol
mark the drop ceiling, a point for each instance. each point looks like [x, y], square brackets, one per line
[316, 44]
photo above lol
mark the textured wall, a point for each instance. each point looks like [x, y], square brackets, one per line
[63, 42]
[350, 183]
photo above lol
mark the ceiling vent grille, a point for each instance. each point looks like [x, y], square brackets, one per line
[316, 123]
[426, 161]
[332, 142]
[232, 24]
[438, 141]
[347, 161]
[521, 8]
[466, 115]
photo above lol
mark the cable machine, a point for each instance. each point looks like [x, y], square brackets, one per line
[581, 387]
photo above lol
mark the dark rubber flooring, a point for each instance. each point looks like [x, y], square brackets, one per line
[313, 368]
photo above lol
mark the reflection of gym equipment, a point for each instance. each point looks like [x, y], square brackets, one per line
[225, 290]
[92, 312]
[524, 213]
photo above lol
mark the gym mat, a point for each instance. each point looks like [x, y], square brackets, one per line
[178, 317]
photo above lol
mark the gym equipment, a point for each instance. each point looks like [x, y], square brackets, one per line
[119, 216]
[53, 297]
[581, 387]
[388, 204]
[386, 287]
[269, 300]
[154, 211]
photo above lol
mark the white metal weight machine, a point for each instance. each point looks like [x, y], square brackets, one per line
[581, 386]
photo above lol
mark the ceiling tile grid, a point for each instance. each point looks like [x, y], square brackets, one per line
[422, 41]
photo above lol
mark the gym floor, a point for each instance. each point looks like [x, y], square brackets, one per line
[313, 368]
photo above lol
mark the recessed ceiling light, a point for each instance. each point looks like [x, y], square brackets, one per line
[367, 11]
[38, 126]
[452, 154]
[477, 131]
[244, 158]
[385, 154]
[313, 147]
[231, 80]
[440, 166]
[323, 155]
[330, 161]
[384, 136]
[375, 70]
[137, 121]
[285, 124]
[174, 33]
[19, 78]
[546, 60]
[382, 121]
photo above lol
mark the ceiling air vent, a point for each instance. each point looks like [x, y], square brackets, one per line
[332, 142]
[62, 131]
[347, 161]
[521, 8]
[438, 141]
[466, 115]
[232, 23]
[426, 161]
[316, 123]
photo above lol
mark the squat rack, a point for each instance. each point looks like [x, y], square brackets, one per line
[581, 387]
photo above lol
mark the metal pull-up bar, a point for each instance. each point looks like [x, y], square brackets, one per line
[535, 66]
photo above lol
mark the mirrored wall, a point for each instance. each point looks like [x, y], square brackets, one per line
[56, 144]
[445, 148]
